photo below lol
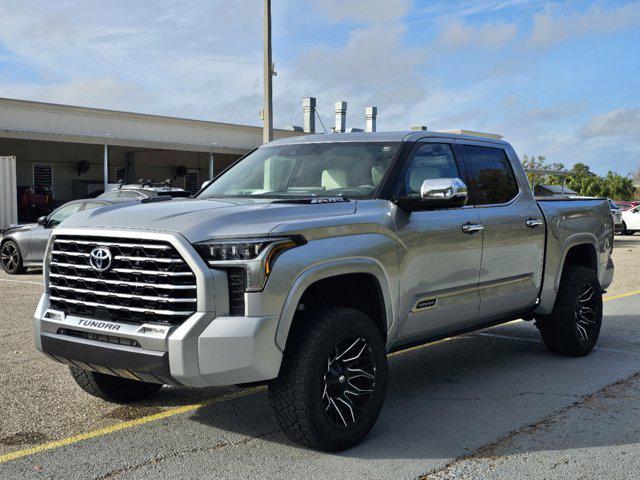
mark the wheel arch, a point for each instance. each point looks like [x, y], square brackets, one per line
[578, 249]
[332, 276]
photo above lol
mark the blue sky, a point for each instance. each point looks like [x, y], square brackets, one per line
[560, 79]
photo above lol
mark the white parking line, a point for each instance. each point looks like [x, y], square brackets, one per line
[20, 281]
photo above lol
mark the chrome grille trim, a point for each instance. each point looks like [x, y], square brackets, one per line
[151, 279]
[122, 257]
[117, 307]
[111, 244]
[121, 282]
[146, 259]
[124, 270]
[125, 295]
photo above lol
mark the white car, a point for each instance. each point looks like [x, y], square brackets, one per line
[631, 221]
[616, 215]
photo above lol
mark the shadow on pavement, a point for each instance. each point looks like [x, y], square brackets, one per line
[448, 399]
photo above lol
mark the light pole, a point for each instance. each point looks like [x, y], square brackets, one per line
[267, 112]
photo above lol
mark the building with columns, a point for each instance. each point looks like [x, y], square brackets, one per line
[77, 150]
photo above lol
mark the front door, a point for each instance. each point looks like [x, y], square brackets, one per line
[513, 229]
[40, 237]
[439, 263]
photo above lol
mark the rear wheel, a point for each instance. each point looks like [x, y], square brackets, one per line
[573, 327]
[625, 231]
[111, 388]
[11, 258]
[332, 381]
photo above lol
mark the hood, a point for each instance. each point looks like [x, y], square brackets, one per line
[203, 219]
[20, 228]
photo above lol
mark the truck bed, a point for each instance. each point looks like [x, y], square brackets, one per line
[574, 221]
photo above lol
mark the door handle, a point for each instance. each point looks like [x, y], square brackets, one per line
[472, 228]
[534, 222]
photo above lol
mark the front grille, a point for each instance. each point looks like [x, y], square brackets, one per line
[148, 280]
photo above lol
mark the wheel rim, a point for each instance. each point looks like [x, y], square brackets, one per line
[9, 257]
[586, 312]
[349, 381]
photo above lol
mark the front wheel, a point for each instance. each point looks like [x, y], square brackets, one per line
[332, 380]
[625, 231]
[573, 327]
[11, 258]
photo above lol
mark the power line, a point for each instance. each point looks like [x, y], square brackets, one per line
[321, 122]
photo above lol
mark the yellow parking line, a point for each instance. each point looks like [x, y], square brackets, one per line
[622, 295]
[190, 408]
[123, 425]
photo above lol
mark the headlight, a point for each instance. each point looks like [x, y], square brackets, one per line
[255, 255]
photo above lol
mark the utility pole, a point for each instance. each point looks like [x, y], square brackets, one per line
[267, 112]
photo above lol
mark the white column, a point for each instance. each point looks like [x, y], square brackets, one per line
[371, 114]
[8, 192]
[106, 166]
[211, 166]
[309, 113]
[341, 117]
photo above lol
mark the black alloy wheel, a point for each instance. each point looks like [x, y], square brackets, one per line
[573, 327]
[332, 380]
[586, 314]
[349, 381]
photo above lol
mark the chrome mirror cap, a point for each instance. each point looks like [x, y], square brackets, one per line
[444, 190]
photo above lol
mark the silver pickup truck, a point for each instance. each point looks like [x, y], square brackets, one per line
[310, 259]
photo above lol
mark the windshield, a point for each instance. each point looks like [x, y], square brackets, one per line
[349, 169]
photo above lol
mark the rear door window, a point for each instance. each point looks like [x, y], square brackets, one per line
[491, 178]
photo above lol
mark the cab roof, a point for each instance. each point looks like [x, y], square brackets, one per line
[379, 137]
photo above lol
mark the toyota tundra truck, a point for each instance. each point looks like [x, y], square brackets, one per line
[308, 261]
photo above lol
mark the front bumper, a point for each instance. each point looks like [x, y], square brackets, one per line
[203, 351]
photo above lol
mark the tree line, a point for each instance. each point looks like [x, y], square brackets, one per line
[584, 181]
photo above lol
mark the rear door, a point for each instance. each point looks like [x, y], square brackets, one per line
[513, 228]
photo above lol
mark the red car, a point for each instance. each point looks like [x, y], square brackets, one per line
[627, 205]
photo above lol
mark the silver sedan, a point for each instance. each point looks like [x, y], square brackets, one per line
[24, 246]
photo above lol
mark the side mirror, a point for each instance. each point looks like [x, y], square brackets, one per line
[437, 193]
[42, 220]
[205, 184]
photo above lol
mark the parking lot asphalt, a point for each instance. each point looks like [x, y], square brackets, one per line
[492, 404]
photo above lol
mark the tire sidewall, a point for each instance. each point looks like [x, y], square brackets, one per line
[331, 437]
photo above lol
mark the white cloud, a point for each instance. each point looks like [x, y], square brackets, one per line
[616, 123]
[457, 34]
[555, 25]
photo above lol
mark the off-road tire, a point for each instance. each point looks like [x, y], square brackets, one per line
[111, 388]
[559, 330]
[17, 265]
[296, 395]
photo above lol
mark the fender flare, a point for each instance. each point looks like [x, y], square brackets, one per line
[573, 241]
[328, 269]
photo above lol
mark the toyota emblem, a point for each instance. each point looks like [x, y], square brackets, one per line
[100, 259]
